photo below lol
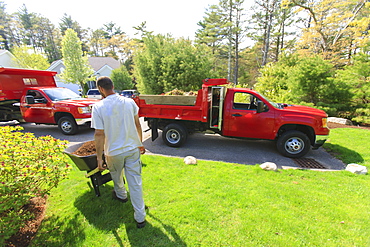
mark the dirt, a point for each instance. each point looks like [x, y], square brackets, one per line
[86, 149]
[25, 235]
[37, 205]
[337, 125]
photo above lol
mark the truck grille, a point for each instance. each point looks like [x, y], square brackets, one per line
[308, 163]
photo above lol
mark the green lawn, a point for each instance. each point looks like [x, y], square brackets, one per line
[218, 204]
[350, 145]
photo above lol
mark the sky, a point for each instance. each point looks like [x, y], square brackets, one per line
[176, 17]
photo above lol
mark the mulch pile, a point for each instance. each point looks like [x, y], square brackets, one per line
[86, 149]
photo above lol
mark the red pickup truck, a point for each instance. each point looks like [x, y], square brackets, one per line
[235, 112]
[32, 96]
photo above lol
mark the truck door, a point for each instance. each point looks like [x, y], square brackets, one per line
[242, 120]
[39, 111]
[216, 107]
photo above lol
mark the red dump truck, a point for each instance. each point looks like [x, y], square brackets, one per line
[234, 112]
[32, 96]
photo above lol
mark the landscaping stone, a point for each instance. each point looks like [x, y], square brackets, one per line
[356, 168]
[269, 166]
[339, 120]
[190, 160]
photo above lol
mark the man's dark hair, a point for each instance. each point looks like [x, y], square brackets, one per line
[105, 82]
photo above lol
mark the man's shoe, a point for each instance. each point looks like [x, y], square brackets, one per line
[141, 224]
[114, 196]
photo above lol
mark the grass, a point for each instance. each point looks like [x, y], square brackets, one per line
[350, 145]
[217, 204]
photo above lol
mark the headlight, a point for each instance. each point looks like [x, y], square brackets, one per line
[324, 122]
[84, 110]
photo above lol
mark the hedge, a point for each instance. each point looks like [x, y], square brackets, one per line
[29, 167]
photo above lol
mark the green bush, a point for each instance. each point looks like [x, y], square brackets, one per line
[362, 115]
[29, 167]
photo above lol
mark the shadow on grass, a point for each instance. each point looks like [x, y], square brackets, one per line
[112, 217]
[57, 231]
[344, 154]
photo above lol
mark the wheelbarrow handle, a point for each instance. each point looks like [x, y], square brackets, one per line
[92, 172]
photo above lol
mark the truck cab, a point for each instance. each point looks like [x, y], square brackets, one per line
[61, 106]
[32, 96]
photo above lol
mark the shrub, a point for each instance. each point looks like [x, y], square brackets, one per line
[29, 167]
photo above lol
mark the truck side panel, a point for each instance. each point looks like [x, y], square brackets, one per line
[191, 113]
[13, 81]
[176, 112]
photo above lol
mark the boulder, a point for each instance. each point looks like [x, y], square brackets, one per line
[339, 120]
[357, 169]
[190, 160]
[269, 166]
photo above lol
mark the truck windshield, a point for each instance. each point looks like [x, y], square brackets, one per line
[271, 102]
[57, 94]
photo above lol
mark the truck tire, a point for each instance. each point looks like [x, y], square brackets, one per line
[174, 135]
[67, 125]
[293, 144]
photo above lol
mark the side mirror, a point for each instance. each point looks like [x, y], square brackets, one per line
[260, 106]
[30, 99]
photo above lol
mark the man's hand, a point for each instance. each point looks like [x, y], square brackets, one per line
[101, 165]
[142, 149]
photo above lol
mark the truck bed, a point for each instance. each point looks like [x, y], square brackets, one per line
[169, 99]
[178, 107]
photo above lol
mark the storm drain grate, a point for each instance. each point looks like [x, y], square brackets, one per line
[309, 163]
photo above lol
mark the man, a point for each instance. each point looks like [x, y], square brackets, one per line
[118, 132]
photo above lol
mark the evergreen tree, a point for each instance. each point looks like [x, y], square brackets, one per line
[66, 22]
[357, 76]
[4, 29]
[222, 30]
[304, 80]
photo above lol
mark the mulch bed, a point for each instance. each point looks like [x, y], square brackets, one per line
[337, 125]
[37, 205]
[25, 235]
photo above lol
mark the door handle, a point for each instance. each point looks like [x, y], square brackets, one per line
[236, 115]
[27, 106]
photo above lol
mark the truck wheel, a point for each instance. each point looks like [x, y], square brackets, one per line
[67, 125]
[174, 135]
[293, 144]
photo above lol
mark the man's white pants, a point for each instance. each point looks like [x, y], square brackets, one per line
[130, 163]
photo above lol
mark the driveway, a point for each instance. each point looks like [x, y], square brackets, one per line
[203, 146]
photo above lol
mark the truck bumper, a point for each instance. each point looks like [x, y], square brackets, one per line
[83, 121]
[319, 141]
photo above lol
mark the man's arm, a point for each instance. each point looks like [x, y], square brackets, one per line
[99, 137]
[138, 127]
[139, 132]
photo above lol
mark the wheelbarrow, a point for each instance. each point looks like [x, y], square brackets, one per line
[89, 164]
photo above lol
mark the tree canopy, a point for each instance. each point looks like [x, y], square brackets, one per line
[77, 68]
[164, 63]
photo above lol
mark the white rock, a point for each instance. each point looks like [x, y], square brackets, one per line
[269, 166]
[190, 160]
[355, 168]
[339, 120]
